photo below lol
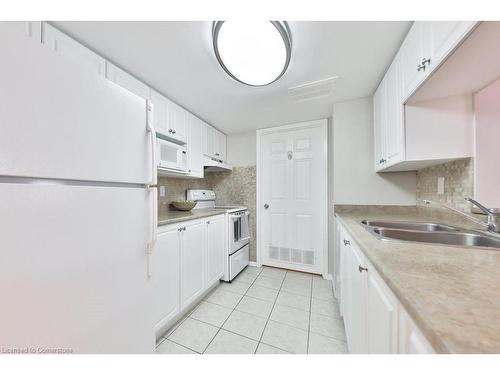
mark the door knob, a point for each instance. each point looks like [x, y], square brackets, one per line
[266, 206]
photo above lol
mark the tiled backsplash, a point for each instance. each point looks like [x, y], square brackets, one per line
[458, 183]
[237, 187]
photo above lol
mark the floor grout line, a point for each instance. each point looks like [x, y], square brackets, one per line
[310, 313]
[234, 309]
[272, 308]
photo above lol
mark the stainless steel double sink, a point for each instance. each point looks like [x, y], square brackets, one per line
[432, 233]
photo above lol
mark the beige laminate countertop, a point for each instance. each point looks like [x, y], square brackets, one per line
[452, 293]
[172, 217]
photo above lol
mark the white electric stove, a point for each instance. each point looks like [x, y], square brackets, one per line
[237, 217]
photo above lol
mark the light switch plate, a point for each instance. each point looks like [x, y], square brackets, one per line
[440, 186]
[163, 191]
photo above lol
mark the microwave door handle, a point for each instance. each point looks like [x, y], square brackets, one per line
[235, 230]
[247, 214]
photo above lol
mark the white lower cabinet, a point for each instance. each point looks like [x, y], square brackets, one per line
[216, 239]
[192, 262]
[188, 259]
[166, 276]
[374, 320]
[382, 317]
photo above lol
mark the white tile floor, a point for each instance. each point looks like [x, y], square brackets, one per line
[264, 311]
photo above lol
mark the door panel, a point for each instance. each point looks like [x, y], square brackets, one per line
[96, 130]
[382, 318]
[216, 248]
[73, 268]
[166, 265]
[192, 263]
[292, 186]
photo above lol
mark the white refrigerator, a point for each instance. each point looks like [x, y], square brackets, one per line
[77, 205]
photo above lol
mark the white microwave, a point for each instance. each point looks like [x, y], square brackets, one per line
[171, 155]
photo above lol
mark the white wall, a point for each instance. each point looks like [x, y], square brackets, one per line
[241, 149]
[487, 135]
[354, 178]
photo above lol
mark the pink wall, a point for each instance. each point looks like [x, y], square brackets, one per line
[487, 160]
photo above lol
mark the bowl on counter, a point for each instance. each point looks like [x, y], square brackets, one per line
[184, 205]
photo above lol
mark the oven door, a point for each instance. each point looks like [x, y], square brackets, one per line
[239, 234]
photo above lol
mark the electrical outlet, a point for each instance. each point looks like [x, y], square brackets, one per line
[163, 191]
[440, 186]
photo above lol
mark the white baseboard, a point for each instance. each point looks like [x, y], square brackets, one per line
[253, 264]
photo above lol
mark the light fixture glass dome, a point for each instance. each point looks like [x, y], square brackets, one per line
[255, 53]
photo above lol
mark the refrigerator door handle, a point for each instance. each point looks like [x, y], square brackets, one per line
[151, 244]
[151, 129]
[152, 186]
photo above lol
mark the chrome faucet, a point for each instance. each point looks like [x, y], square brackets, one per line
[493, 214]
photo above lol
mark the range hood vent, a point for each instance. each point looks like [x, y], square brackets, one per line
[214, 165]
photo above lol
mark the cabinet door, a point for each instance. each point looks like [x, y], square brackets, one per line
[176, 122]
[179, 125]
[412, 52]
[411, 340]
[165, 277]
[195, 146]
[127, 81]
[69, 48]
[443, 37]
[208, 140]
[192, 262]
[216, 249]
[394, 119]
[160, 113]
[382, 317]
[379, 123]
[221, 146]
[357, 319]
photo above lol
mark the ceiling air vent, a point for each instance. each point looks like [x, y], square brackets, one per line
[312, 90]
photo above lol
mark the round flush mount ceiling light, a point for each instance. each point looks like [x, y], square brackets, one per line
[254, 53]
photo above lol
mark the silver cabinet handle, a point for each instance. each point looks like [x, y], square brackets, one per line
[426, 61]
[420, 67]
[347, 243]
[208, 222]
[170, 130]
[173, 131]
[266, 206]
[361, 268]
[382, 161]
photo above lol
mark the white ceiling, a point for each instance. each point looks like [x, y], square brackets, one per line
[177, 59]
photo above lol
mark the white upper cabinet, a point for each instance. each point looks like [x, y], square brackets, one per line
[401, 131]
[412, 56]
[126, 80]
[214, 143]
[443, 37]
[426, 46]
[195, 146]
[69, 48]
[176, 122]
[379, 121]
[160, 119]
[389, 118]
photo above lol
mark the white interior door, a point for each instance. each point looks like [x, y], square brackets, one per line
[293, 200]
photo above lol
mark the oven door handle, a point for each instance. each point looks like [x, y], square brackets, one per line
[247, 214]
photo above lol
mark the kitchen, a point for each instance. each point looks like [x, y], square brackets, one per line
[253, 194]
